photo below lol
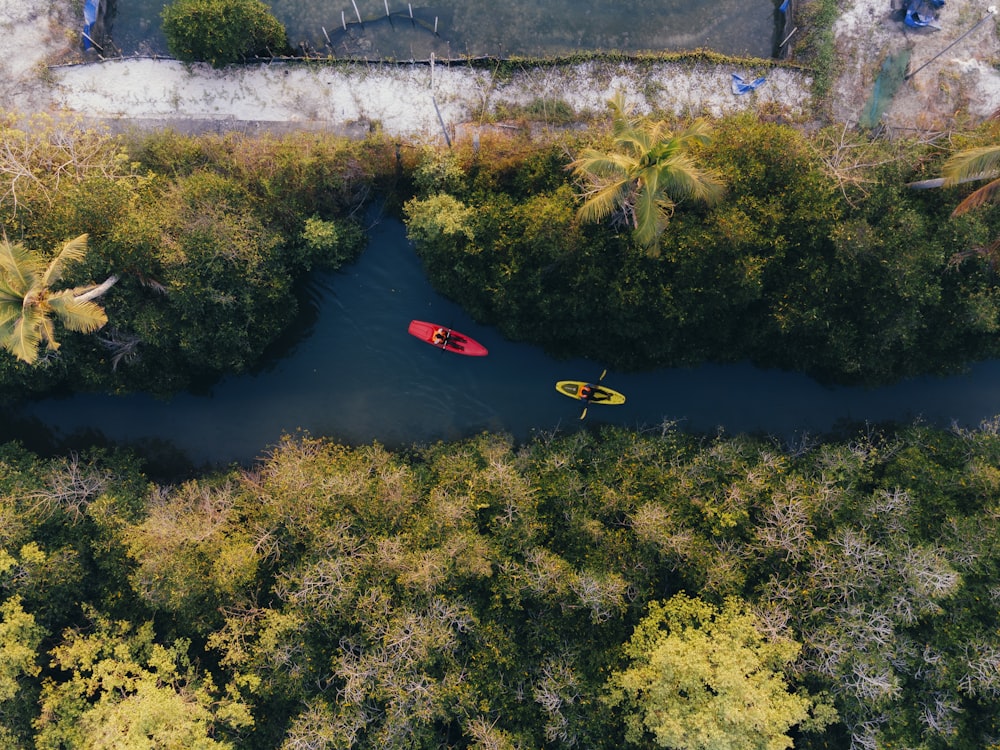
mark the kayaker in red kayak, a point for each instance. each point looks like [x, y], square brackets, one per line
[441, 337]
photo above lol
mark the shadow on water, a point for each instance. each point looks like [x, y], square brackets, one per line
[358, 377]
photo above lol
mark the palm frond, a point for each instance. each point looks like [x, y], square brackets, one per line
[622, 114]
[84, 317]
[698, 133]
[47, 332]
[977, 163]
[22, 339]
[10, 309]
[19, 266]
[648, 170]
[7, 292]
[653, 208]
[72, 251]
[600, 164]
[986, 194]
[681, 177]
[603, 201]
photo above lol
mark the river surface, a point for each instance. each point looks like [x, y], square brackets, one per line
[358, 376]
[384, 29]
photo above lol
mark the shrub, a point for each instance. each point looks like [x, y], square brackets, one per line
[221, 32]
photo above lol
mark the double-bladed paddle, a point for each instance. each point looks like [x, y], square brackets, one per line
[596, 386]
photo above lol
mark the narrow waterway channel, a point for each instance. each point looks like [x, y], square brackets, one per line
[358, 376]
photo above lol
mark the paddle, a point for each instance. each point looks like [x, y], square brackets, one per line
[597, 385]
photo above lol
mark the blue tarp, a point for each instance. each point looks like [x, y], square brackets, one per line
[89, 19]
[920, 13]
[741, 86]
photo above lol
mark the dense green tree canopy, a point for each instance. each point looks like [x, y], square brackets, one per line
[817, 259]
[125, 691]
[207, 237]
[221, 32]
[482, 593]
[701, 678]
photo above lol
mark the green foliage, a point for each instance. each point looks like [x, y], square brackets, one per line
[20, 637]
[221, 32]
[702, 678]
[209, 236]
[819, 48]
[125, 690]
[191, 553]
[438, 172]
[28, 303]
[646, 173]
[817, 244]
[483, 592]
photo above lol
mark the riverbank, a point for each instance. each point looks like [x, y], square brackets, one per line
[416, 101]
[425, 101]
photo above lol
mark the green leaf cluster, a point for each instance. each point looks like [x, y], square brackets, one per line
[587, 590]
[222, 32]
[703, 678]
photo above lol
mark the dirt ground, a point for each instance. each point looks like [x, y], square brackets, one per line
[954, 77]
[954, 81]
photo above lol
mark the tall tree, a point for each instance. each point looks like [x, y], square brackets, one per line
[115, 686]
[971, 165]
[28, 302]
[702, 678]
[649, 170]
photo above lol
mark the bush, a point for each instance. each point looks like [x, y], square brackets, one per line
[221, 32]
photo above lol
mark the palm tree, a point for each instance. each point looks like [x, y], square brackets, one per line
[974, 164]
[28, 302]
[647, 173]
[981, 163]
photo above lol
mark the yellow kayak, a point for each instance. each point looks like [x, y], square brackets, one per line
[602, 394]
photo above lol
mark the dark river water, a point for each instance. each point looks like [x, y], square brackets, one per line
[358, 376]
[485, 27]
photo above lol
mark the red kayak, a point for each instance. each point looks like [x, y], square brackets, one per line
[446, 339]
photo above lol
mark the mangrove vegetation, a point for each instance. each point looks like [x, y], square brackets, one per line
[647, 588]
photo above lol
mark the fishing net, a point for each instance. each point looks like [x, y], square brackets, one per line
[890, 78]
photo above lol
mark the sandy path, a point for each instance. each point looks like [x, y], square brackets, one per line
[404, 100]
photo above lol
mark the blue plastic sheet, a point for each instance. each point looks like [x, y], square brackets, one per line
[742, 86]
[89, 19]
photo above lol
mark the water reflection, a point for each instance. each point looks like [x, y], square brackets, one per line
[358, 377]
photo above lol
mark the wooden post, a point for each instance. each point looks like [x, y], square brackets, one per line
[386, 8]
[357, 12]
[343, 20]
[325, 34]
[435, 25]
[441, 120]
